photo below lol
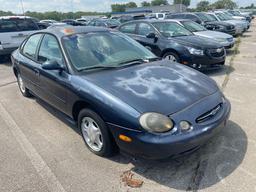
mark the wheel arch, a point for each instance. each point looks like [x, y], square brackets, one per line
[170, 50]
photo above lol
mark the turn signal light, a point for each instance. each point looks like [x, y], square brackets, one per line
[125, 138]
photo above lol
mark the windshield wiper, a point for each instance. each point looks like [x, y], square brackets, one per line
[97, 67]
[133, 62]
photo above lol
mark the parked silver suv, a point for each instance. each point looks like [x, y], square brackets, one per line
[13, 30]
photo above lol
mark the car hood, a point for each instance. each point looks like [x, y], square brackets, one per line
[236, 22]
[197, 42]
[161, 86]
[218, 23]
[213, 34]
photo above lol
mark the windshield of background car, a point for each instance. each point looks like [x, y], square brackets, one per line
[113, 22]
[86, 50]
[193, 26]
[202, 16]
[211, 17]
[171, 29]
[223, 16]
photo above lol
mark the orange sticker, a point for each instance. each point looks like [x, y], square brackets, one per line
[68, 31]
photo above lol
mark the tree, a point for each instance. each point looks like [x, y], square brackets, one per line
[159, 2]
[203, 5]
[224, 4]
[145, 4]
[118, 7]
[184, 2]
[130, 5]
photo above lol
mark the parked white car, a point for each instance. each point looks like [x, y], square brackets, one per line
[157, 15]
[13, 31]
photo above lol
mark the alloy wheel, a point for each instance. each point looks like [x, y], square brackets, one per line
[92, 134]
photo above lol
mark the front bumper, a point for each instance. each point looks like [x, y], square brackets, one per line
[204, 62]
[160, 146]
[227, 44]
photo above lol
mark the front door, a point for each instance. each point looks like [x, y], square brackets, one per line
[53, 83]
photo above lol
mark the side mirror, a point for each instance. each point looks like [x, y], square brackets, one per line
[151, 35]
[52, 65]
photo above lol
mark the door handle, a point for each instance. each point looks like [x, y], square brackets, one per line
[36, 71]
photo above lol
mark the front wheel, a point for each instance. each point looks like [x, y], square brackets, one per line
[24, 91]
[95, 133]
[171, 56]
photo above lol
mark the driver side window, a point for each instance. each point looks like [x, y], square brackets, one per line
[49, 50]
[144, 29]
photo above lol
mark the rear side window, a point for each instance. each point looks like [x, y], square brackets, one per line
[160, 15]
[26, 25]
[8, 26]
[175, 16]
[49, 50]
[192, 17]
[13, 25]
[128, 28]
[29, 49]
[144, 29]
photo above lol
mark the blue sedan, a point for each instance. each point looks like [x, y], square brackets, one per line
[119, 93]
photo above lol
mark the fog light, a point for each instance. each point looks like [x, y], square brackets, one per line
[185, 126]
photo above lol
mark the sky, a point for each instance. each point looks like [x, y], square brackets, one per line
[78, 5]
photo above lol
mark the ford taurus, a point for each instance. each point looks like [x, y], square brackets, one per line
[119, 93]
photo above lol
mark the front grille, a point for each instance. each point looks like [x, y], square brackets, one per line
[209, 114]
[219, 52]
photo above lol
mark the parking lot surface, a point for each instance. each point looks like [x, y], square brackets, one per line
[41, 151]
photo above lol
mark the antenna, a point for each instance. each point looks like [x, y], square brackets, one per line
[22, 6]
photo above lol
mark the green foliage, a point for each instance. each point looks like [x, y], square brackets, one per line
[121, 7]
[131, 5]
[203, 6]
[224, 4]
[159, 2]
[2, 13]
[145, 4]
[58, 16]
[184, 2]
[118, 7]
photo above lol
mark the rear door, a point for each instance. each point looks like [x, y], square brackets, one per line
[28, 66]
[13, 31]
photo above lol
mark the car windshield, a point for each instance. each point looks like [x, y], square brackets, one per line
[193, 26]
[224, 17]
[202, 16]
[211, 17]
[103, 49]
[113, 22]
[171, 29]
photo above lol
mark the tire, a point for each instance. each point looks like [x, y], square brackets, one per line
[108, 147]
[24, 91]
[172, 57]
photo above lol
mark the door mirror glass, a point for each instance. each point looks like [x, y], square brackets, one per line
[52, 65]
[151, 35]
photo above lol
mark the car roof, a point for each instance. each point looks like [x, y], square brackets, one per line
[15, 17]
[153, 21]
[61, 31]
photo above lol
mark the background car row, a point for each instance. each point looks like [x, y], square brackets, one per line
[196, 39]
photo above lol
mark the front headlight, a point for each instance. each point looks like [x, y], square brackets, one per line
[155, 122]
[194, 51]
[221, 27]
